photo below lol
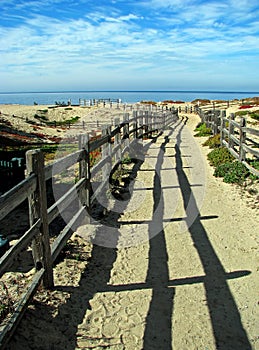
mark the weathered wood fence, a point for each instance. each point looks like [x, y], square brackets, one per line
[115, 142]
[241, 141]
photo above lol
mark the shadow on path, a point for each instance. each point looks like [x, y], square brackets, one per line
[227, 327]
[62, 330]
[158, 331]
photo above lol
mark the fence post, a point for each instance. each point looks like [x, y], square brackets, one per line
[135, 124]
[126, 129]
[222, 126]
[117, 141]
[106, 170]
[231, 130]
[155, 122]
[242, 139]
[38, 210]
[146, 121]
[84, 172]
[216, 123]
[140, 124]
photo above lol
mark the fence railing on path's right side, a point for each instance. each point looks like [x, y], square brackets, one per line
[115, 142]
[241, 141]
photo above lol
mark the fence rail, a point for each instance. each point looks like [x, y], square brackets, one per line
[236, 136]
[115, 142]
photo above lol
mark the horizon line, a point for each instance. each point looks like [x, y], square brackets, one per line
[135, 91]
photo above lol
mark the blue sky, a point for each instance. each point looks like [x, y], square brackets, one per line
[51, 45]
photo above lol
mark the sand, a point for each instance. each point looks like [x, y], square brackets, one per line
[194, 285]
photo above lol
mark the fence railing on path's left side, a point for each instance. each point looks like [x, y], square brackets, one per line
[115, 142]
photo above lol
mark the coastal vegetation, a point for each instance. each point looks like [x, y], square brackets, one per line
[251, 114]
[226, 166]
[202, 130]
[213, 141]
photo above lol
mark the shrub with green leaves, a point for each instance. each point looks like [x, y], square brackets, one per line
[213, 141]
[222, 169]
[203, 130]
[126, 160]
[220, 156]
[232, 172]
[255, 115]
[255, 164]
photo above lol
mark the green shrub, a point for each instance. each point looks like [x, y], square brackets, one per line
[255, 165]
[222, 169]
[213, 141]
[237, 173]
[219, 156]
[203, 130]
[232, 172]
[126, 160]
[255, 115]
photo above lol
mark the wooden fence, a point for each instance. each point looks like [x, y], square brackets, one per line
[241, 141]
[115, 142]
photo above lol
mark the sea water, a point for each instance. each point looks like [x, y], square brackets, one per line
[50, 98]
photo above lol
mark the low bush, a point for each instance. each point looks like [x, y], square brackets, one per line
[213, 141]
[203, 130]
[220, 156]
[255, 165]
[222, 169]
[232, 172]
[255, 115]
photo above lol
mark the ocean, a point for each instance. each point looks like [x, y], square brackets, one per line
[50, 98]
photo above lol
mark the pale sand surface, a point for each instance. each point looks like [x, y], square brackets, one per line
[187, 288]
[19, 115]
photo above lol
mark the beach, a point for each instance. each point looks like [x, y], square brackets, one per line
[189, 287]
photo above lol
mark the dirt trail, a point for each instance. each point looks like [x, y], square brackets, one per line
[181, 271]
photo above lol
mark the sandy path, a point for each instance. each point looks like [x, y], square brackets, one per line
[193, 285]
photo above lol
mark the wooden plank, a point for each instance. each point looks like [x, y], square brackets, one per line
[16, 195]
[115, 151]
[99, 190]
[117, 129]
[230, 130]
[7, 259]
[38, 210]
[225, 143]
[251, 131]
[235, 124]
[61, 164]
[8, 330]
[106, 169]
[117, 143]
[253, 151]
[225, 131]
[251, 169]
[222, 126]
[98, 143]
[235, 139]
[62, 203]
[98, 167]
[242, 140]
[233, 152]
[85, 190]
[66, 233]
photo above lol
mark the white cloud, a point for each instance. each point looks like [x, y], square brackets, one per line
[130, 43]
